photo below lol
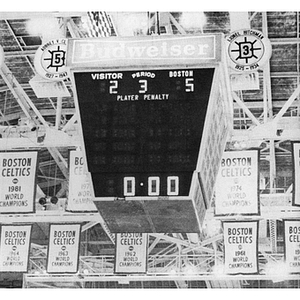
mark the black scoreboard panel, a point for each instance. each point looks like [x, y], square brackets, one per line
[142, 123]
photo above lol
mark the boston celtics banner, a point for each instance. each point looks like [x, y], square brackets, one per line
[80, 197]
[17, 181]
[63, 248]
[237, 189]
[240, 247]
[131, 253]
[296, 173]
[14, 248]
[292, 245]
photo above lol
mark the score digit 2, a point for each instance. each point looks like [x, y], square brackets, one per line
[113, 88]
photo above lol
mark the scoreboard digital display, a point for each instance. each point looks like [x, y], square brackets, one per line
[142, 122]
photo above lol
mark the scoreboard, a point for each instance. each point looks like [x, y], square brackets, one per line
[147, 121]
[154, 116]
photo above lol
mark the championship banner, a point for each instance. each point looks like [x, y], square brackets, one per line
[18, 181]
[14, 248]
[240, 247]
[292, 245]
[63, 248]
[80, 196]
[131, 253]
[296, 173]
[237, 184]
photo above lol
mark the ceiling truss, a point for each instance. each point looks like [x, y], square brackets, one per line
[182, 252]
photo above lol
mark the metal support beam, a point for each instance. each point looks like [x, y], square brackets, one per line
[170, 239]
[58, 112]
[70, 123]
[177, 25]
[266, 72]
[20, 53]
[33, 279]
[37, 14]
[43, 112]
[245, 108]
[152, 246]
[60, 161]
[75, 33]
[53, 216]
[287, 104]
[14, 87]
[88, 226]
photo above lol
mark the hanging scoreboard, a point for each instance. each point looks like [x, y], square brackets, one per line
[150, 109]
[147, 123]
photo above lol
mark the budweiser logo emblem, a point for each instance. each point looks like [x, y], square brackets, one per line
[157, 49]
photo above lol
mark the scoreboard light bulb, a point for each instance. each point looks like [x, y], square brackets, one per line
[218, 270]
[46, 27]
[278, 271]
[84, 21]
[30, 124]
[54, 200]
[172, 272]
[193, 20]
[190, 270]
[212, 228]
[141, 184]
[133, 22]
[42, 201]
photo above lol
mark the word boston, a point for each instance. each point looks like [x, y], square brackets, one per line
[292, 245]
[240, 247]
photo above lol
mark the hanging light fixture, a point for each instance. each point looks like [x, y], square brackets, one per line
[218, 270]
[28, 123]
[130, 24]
[42, 201]
[54, 200]
[276, 270]
[47, 27]
[195, 20]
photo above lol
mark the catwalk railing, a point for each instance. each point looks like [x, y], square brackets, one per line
[177, 267]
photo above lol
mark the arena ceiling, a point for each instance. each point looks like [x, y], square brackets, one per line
[267, 117]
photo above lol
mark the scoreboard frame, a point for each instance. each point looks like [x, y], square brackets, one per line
[218, 120]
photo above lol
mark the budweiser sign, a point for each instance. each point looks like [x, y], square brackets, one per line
[150, 50]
